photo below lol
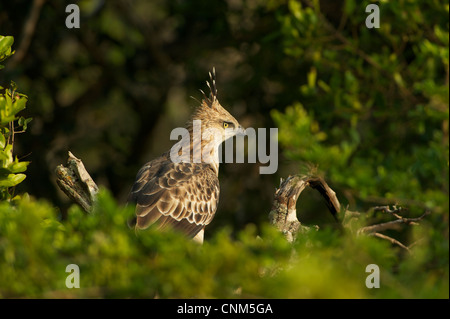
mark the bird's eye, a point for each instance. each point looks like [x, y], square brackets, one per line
[225, 125]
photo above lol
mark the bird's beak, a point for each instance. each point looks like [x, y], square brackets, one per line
[240, 130]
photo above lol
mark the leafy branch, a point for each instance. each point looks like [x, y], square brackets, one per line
[11, 103]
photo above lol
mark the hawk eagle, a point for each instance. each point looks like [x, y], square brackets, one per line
[184, 193]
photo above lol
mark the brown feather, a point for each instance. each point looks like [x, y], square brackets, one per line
[173, 193]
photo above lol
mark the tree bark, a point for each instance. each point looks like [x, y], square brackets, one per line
[76, 183]
[283, 214]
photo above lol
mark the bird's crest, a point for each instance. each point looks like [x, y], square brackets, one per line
[212, 99]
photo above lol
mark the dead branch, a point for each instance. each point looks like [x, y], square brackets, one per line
[394, 224]
[390, 239]
[374, 230]
[76, 183]
[386, 209]
[283, 214]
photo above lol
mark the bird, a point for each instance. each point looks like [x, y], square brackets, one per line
[183, 194]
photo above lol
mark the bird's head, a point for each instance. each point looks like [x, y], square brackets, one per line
[215, 120]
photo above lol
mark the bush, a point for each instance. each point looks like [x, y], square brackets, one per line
[11, 103]
[372, 112]
[116, 262]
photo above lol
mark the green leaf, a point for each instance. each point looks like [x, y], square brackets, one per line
[19, 104]
[6, 115]
[13, 86]
[5, 44]
[5, 47]
[2, 141]
[6, 155]
[296, 9]
[312, 77]
[18, 167]
[24, 122]
[12, 180]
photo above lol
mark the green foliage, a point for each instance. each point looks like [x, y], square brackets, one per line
[372, 111]
[5, 48]
[115, 261]
[11, 103]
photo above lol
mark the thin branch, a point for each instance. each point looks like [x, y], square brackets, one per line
[390, 239]
[395, 224]
[28, 32]
[416, 243]
[386, 209]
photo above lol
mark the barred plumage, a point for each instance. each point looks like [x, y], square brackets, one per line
[185, 195]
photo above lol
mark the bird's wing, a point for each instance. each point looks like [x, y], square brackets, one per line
[183, 196]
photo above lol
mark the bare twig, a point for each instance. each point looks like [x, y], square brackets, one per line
[395, 224]
[374, 230]
[392, 240]
[386, 209]
[420, 240]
